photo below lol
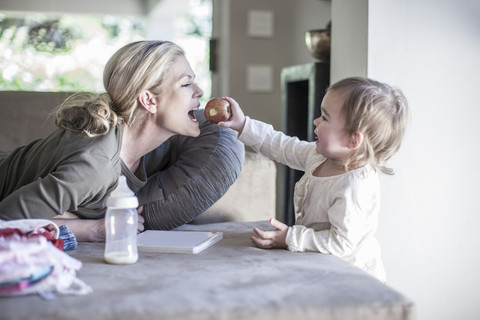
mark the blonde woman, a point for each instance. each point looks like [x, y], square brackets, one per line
[337, 200]
[141, 127]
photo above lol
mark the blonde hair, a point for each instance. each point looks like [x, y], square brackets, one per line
[133, 68]
[380, 113]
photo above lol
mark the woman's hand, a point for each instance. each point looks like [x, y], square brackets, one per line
[237, 121]
[141, 220]
[271, 239]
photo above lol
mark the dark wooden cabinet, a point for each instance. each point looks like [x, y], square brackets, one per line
[303, 89]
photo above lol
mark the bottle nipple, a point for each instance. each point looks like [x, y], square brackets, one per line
[122, 196]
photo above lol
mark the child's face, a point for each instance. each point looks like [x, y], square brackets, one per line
[332, 138]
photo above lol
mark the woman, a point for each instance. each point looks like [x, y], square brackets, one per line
[137, 128]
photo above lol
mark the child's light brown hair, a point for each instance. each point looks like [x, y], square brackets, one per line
[380, 113]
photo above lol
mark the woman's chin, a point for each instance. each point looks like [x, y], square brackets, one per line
[193, 132]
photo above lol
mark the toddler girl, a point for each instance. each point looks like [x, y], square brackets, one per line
[337, 199]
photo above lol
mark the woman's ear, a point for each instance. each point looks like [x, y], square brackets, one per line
[356, 140]
[147, 100]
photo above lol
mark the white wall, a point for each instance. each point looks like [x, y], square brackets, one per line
[430, 218]
[349, 46]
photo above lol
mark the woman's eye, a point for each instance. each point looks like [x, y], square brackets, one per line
[186, 85]
[323, 118]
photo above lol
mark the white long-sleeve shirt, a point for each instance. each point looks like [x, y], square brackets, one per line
[333, 215]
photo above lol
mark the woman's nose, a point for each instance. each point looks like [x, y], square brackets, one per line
[199, 92]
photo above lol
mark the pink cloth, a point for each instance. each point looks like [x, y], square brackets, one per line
[39, 232]
[26, 255]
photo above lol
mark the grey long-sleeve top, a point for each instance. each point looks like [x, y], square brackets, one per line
[174, 183]
[66, 171]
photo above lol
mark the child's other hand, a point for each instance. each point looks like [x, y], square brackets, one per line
[271, 239]
[237, 121]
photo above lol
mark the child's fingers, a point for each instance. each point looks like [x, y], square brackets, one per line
[264, 234]
[262, 243]
[233, 103]
[238, 117]
[277, 224]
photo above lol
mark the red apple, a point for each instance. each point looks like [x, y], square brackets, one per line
[218, 109]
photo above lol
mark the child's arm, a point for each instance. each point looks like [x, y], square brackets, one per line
[352, 218]
[271, 239]
[263, 138]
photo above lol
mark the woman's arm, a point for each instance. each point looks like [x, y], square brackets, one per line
[92, 230]
[79, 183]
[198, 173]
[84, 229]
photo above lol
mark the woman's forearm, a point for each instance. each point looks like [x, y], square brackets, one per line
[84, 230]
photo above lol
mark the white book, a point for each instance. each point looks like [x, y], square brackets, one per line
[177, 241]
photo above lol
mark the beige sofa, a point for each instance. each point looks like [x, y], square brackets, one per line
[251, 197]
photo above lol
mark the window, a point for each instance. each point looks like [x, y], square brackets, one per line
[193, 30]
[67, 52]
[46, 52]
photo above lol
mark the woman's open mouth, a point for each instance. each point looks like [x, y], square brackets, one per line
[191, 115]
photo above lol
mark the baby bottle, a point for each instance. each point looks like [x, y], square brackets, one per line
[121, 222]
